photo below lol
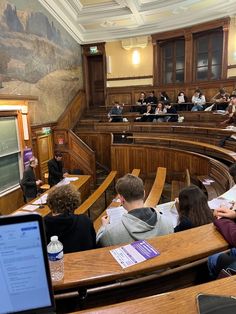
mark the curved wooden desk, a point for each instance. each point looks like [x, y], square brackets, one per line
[177, 302]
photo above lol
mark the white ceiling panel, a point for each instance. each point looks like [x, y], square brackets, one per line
[105, 20]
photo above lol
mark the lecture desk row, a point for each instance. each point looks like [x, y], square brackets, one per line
[183, 301]
[82, 185]
[187, 106]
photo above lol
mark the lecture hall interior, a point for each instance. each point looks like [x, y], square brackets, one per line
[77, 77]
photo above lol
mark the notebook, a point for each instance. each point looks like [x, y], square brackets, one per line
[24, 270]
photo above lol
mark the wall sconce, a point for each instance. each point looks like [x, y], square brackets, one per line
[136, 57]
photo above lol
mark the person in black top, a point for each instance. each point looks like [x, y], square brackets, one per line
[193, 209]
[171, 109]
[55, 169]
[29, 183]
[76, 232]
[164, 97]
[151, 99]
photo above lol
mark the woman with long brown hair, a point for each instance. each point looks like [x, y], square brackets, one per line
[193, 209]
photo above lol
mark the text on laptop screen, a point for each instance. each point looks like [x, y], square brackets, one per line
[23, 277]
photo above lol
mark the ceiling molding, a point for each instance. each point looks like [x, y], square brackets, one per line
[90, 21]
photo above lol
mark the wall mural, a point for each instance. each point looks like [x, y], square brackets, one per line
[39, 58]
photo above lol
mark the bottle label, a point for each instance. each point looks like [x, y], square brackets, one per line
[55, 256]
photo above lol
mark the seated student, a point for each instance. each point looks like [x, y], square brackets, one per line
[198, 100]
[142, 99]
[193, 209]
[181, 98]
[171, 109]
[230, 110]
[231, 121]
[226, 224]
[75, 232]
[227, 227]
[115, 114]
[139, 222]
[29, 183]
[164, 97]
[160, 109]
[151, 99]
[146, 115]
[220, 98]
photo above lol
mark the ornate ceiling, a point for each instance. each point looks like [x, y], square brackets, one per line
[106, 20]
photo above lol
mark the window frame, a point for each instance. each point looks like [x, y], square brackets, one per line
[163, 60]
[208, 33]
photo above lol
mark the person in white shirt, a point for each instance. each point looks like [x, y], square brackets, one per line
[198, 100]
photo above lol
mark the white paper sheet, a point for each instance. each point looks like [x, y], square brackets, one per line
[30, 207]
[41, 200]
[115, 213]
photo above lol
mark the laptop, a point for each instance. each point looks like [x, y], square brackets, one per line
[24, 270]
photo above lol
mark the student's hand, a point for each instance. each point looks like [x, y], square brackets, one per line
[65, 174]
[225, 212]
[105, 220]
[38, 182]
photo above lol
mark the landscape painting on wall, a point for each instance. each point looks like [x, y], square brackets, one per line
[37, 57]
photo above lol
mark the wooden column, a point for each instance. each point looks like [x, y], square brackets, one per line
[188, 67]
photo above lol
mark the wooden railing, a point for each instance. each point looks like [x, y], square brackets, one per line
[73, 112]
[84, 208]
[76, 154]
[157, 188]
[205, 148]
[128, 156]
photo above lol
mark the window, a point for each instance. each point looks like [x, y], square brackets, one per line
[9, 154]
[173, 62]
[208, 56]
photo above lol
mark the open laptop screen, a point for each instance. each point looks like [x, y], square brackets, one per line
[24, 272]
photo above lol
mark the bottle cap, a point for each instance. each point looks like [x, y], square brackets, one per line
[54, 238]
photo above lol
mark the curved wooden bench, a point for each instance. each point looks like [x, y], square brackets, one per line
[205, 148]
[155, 194]
[84, 208]
[174, 160]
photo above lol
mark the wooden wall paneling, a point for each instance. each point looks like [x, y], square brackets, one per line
[208, 88]
[139, 159]
[122, 98]
[120, 159]
[125, 157]
[11, 201]
[60, 138]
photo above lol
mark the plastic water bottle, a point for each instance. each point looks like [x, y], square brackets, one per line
[55, 256]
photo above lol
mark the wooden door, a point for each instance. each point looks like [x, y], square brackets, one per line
[44, 152]
[96, 80]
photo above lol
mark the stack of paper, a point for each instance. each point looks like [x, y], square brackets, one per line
[41, 200]
[115, 214]
[30, 207]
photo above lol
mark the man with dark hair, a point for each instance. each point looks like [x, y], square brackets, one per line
[55, 169]
[139, 222]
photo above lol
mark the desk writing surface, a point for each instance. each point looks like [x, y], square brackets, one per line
[98, 266]
[80, 184]
[182, 301]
